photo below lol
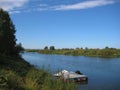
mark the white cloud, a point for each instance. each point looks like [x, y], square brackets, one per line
[15, 11]
[84, 5]
[17, 6]
[43, 5]
[11, 4]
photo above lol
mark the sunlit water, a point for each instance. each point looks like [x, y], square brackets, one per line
[103, 73]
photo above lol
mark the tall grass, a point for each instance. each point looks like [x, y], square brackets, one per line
[57, 84]
[34, 80]
[18, 75]
[42, 80]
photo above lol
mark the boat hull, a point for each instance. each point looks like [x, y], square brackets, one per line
[71, 76]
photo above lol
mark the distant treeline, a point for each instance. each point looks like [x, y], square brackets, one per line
[105, 52]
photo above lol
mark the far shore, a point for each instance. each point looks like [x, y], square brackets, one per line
[103, 53]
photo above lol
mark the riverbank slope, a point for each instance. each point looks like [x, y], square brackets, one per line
[17, 74]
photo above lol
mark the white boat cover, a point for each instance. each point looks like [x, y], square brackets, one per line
[68, 75]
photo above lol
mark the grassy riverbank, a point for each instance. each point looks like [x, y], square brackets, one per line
[17, 74]
[105, 53]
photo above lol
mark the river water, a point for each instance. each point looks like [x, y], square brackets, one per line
[103, 73]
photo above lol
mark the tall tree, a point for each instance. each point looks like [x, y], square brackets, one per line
[46, 48]
[52, 48]
[8, 44]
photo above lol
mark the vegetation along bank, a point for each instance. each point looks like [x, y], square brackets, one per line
[104, 53]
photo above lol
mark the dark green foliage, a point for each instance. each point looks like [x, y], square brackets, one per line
[8, 44]
[19, 48]
[52, 48]
[46, 48]
[16, 64]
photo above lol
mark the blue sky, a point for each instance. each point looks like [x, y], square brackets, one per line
[65, 23]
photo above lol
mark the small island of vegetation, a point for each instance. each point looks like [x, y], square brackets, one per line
[15, 72]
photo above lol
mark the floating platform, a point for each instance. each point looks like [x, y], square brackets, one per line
[69, 75]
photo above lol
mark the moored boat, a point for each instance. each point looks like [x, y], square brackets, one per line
[73, 76]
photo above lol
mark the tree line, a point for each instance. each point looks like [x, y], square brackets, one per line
[105, 52]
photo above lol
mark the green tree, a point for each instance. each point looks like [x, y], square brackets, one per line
[19, 48]
[46, 48]
[52, 48]
[106, 47]
[7, 35]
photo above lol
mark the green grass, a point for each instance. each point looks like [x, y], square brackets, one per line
[17, 74]
[103, 53]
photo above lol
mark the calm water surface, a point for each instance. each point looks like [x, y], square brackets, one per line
[103, 73]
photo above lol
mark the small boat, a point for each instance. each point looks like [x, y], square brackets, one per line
[73, 76]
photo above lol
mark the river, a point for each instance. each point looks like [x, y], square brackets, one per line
[103, 73]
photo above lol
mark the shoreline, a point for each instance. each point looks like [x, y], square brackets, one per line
[18, 74]
[101, 53]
